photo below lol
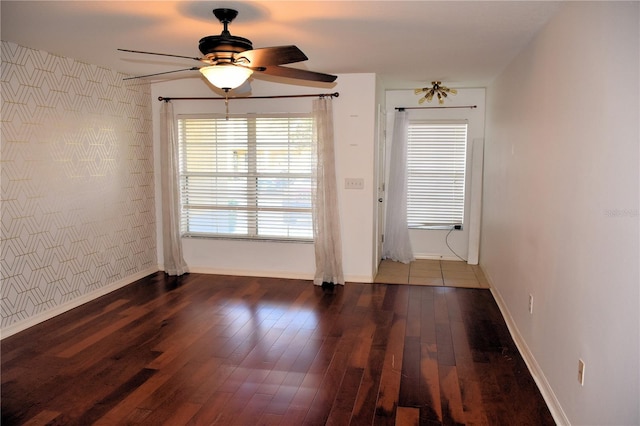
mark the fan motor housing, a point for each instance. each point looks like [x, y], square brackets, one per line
[224, 44]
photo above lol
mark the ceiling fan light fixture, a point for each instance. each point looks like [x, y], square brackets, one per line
[230, 60]
[226, 76]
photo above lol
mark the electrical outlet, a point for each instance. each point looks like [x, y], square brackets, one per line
[581, 372]
[354, 183]
[531, 303]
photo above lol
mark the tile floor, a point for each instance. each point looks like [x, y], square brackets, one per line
[432, 273]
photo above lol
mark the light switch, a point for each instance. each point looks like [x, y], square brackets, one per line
[354, 183]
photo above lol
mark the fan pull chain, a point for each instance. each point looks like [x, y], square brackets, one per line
[226, 104]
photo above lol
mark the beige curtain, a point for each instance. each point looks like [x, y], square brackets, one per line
[174, 263]
[326, 220]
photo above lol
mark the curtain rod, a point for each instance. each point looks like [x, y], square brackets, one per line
[437, 107]
[320, 95]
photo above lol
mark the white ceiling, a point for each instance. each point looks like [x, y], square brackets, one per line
[407, 43]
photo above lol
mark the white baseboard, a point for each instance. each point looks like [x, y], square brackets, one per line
[436, 257]
[365, 279]
[60, 309]
[536, 372]
[271, 274]
[246, 273]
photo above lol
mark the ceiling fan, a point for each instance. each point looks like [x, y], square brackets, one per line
[230, 60]
[436, 89]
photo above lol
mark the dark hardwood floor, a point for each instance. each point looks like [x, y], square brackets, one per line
[207, 349]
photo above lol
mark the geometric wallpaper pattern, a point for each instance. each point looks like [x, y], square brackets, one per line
[77, 187]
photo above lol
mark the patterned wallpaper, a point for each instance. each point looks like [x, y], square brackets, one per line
[77, 195]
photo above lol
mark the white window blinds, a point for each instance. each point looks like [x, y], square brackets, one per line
[247, 177]
[436, 161]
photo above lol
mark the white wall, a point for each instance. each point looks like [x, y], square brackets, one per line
[560, 213]
[354, 127]
[430, 244]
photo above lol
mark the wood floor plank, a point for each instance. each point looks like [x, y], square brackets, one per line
[365, 405]
[342, 409]
[450, 397]
[128, 405]
[360, 355]
[300, 404]
[43, 418]
[407, 416]
[366, 399]
[94, 338]
[326, 395]
[138, 397]
[469, 381]
[181, 414]
[100, 407]
[409, 395]
[391, 375]
[211, 411]
[429, 386]
[226, 350]
[281, 400]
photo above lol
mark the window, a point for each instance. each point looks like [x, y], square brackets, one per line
[247, 177]
[436, 161]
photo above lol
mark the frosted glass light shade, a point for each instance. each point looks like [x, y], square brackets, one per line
[226, 77]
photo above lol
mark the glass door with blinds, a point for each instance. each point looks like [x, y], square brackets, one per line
[436, 163]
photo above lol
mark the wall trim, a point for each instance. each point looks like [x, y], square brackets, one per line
[270, 274]
[427, 256]
[60, 309]
[246, 273]
[534, 368]
[364, 279]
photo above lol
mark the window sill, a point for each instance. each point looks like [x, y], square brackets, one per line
[247, 239]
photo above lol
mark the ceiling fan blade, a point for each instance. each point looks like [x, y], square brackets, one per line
[160, 54]
[299, 74]
[271, 56]
[161, 73]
